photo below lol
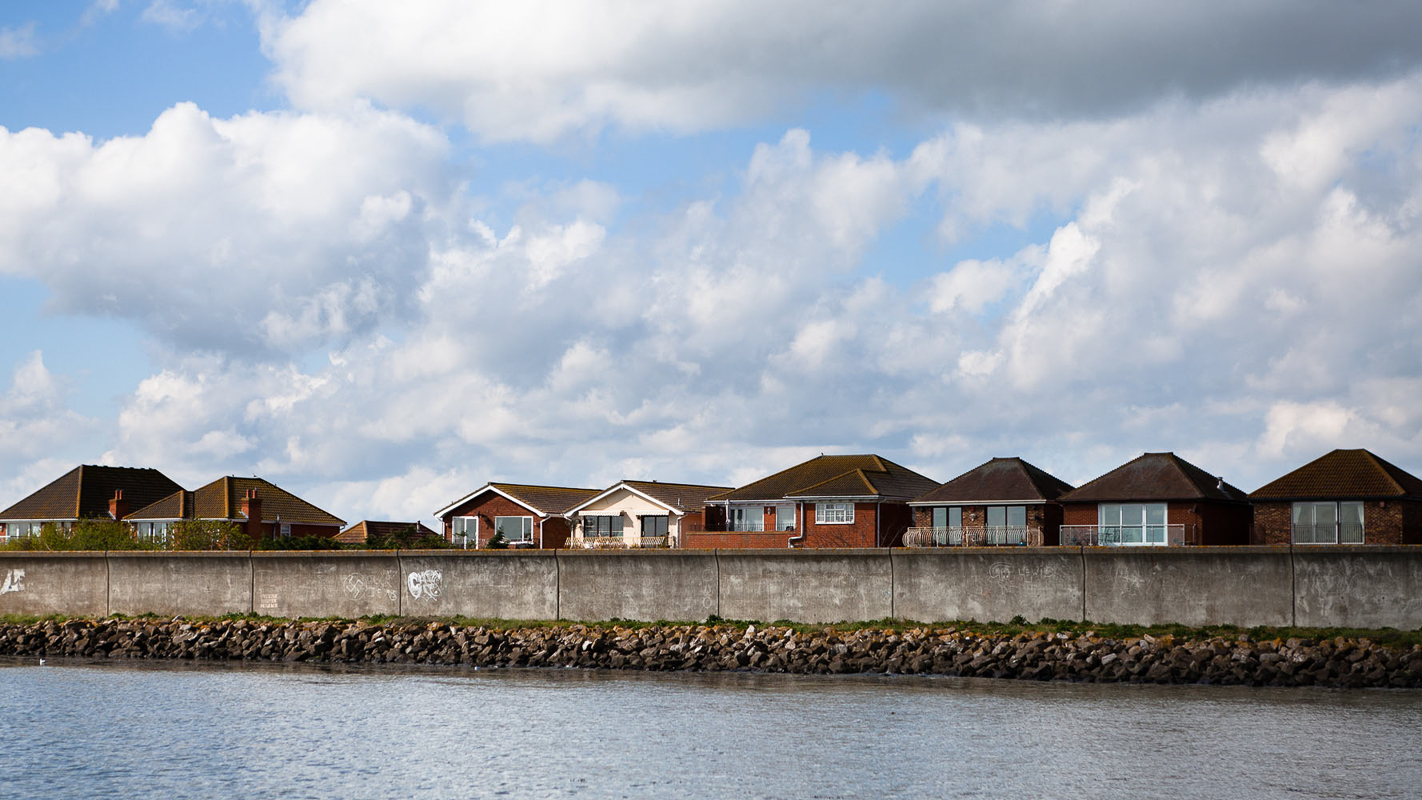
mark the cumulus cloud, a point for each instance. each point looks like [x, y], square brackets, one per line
[538, 71]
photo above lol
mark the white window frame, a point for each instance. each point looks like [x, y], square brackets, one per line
[785, 517]
[526, 527]
[834, 513]
[1146, 527]
[470, 533]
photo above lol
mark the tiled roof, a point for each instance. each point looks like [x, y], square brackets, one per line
[222, 499]
[836, 476]
[362, 531]
[1155, 476]
[84, 492]
[681, 496]
[999, 480]
[548, 499]
[1342, 474]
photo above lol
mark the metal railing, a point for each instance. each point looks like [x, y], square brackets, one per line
[1128, 535]
[1329, 533]
[979, 536]
[618, 542]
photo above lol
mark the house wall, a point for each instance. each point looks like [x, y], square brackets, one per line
[859, 533]
[1206, 523]
[271, 531]
[489, 505]
[1384, 522]
[631, 507]
[1045, 516]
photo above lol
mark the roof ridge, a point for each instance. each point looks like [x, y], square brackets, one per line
[78, 491]
[856, 471]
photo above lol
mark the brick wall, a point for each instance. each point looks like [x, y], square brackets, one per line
[1046, 517]
[489, 505]
[704, 540]
[1384, 522]
[1205, 522]
[859, 533]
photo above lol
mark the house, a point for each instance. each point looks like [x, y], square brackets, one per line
[1005, 501]
[640, 514]
[1344, 497]
[828, 501]
[263, 509]
[366, 530]
[1156, 500]
[527, 516]
[85, 492]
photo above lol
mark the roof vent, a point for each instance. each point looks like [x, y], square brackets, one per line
[1220, 485]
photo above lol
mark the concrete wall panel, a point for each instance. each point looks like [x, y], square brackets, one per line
[1245, 586]
[987, 584]
[1358, 587]
[195, 584]
[481, 584]
[811, 586]
[676, 585]
[39, 584]
[325, 583]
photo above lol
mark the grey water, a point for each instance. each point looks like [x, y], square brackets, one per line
[71, 729]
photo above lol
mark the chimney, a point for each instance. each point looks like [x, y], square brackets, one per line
[252, 510]
[118, 507]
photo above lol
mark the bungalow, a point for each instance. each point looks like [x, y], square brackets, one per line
[640, 514]
[1005, 501]
[1156, 500]
[527, 516]
[263, 509]
[828, 501]
[367, 529]
[85, 492]
[1344, 497]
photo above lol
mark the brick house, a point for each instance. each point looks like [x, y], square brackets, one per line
[1005, 501]
[263, 510]
[828, 501]
[1156, 500]
[1344, 497]
[640, 514]
[527, 516]
[367, 529]
[85, 492]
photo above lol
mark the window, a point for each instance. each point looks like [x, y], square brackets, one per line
[514, 529]
[654, 525]
[286, 530]
[747, 518]
[1132, 523]
[1328, 523]
[466, 528]
[602, 526]
[834, 513]
[785, 518]
[1007, 524]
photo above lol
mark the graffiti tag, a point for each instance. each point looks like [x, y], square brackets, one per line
[424, 584]
[14, 581]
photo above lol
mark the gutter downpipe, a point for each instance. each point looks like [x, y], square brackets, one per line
[793, 540]
[878, 515]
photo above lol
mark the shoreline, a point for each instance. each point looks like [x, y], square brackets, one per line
[946, 650]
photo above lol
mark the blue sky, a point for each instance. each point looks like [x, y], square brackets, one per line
[382, 254]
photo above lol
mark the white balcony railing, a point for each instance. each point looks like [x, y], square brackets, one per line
[617, 542]
[980, 536]
[1128, 535]
[1329, 533]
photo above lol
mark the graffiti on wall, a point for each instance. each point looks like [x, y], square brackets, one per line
[14, 581]
[424, 585]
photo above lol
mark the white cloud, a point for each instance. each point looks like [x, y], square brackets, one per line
[17, 43]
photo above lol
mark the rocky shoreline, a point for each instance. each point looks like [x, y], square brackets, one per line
[1030, 655]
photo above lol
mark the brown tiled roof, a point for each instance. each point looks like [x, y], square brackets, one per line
[84, 492]
[1155, 476]
[548, 499]
[999, 480]
[681, 496]
[222, 499]
[1342, 474]
[361, 532]
[835, 476]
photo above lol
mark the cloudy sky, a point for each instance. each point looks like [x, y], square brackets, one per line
[381, 253]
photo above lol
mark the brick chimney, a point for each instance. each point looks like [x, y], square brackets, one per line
[252, 510]
[118, 507]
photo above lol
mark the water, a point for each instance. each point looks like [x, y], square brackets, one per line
[168, 731]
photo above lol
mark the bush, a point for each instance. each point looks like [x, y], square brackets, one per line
[86, 534]
[498, 542]
[297, 543]
[208, 534]
[405, 540]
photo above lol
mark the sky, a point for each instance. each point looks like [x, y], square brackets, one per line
[383, 253]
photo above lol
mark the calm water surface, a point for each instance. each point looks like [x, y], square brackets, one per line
[91, 730]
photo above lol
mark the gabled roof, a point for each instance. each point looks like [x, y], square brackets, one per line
[1342, 474]
[362, 531]
[85, 491]
[222, 499]
[545, 501]
[1155, 476]
[835, 476]
[677, 498]
[1000, 480]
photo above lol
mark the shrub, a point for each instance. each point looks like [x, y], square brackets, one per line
[208, 534]
[86, 534]
[498, 542]
[297, 543]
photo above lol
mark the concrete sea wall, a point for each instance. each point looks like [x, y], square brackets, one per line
[1350, 587]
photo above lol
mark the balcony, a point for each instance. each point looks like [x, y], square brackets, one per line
[1329, 533]
[618, 542]
[1129, 535]
[980, 536]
